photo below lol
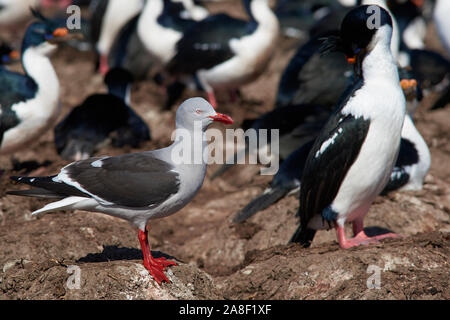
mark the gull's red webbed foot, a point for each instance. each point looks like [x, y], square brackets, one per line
[156, 266]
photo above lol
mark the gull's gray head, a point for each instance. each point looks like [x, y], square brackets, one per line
[198, 111]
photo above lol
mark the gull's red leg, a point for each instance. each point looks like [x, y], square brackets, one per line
[154, 266]
[163, 262]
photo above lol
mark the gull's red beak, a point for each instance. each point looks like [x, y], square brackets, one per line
[222, 118]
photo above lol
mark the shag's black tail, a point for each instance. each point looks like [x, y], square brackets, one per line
[303, 235]
[263, 201]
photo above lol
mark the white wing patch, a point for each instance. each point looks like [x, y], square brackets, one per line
[97, 163]
[63, 177]
[328, 142]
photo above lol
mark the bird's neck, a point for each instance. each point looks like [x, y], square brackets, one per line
[152, 10]
[190, 146]
[260, 12]
[379, 62]
[120, 90]
[38, 67]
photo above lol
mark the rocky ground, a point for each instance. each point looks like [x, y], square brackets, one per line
[40, 256]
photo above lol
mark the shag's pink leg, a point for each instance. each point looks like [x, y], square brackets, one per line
[357, 240]
[63, 4]
[212, 99]
[358, 226]
[103, 67]
[46, 3]
[155, 266]
[360, 238]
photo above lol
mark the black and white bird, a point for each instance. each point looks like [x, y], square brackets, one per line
[108, 17]
[411, 166]
[30, 102]
[132, 49]
[140, 186]
[162, 24]
[225, 52]
[332, 20]
[352, 159]
[101, 118]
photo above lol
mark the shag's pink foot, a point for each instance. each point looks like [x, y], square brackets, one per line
[212, 99]
[156, 266]
[360, 238]
[103, 68]
[387, 235]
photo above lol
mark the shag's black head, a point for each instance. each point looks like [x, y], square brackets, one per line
[357, 31]
[360, 25]
[118, 76]
[118, 81]
[173, 8]
[42, 30]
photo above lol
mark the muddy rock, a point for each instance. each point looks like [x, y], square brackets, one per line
[105, 280]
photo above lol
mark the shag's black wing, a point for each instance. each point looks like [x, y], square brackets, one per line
[334, 152]
[207, 43]
[15, 87]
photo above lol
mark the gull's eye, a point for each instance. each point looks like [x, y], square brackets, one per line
[198, 111]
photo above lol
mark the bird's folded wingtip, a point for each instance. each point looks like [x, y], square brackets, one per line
[330, 44]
